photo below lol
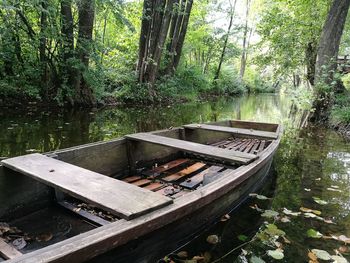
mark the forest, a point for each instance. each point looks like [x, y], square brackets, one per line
[78, 53]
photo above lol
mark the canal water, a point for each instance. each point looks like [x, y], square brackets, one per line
[311, 170]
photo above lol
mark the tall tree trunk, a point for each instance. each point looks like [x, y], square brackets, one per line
[181, 39]
[42, 50]
[244, 46]
[83, 93]
[232, 11]
[311, 56]
[327, 55]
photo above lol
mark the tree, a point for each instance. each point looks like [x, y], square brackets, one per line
[232, 12]
[327, 55]
[245, 41]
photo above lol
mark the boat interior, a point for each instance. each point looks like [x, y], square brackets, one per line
[47, 198]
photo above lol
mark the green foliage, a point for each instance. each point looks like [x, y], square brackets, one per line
[341, 109]
[228, 83]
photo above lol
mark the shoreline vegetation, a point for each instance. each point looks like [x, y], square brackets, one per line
[88, 54]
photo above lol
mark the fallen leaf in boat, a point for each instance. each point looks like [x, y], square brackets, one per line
[276, 254]
[213, 239]
[312, 256]
[44, 237]
[19, 243]
[77, 209]
[313, 233]
[4, 227]
[255, 259]
[339, 259]
[269, 213]
[319, 201]
[197, 258]
[225, 218]
[289, 212]
[207, 257]
[321, 254]
[182, 254]
[308, 210]
[285, 219]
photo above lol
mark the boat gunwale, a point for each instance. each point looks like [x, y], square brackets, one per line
[90, 244]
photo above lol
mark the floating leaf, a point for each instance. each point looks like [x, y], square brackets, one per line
[308, 210]
[339, 259]
[321, 254]
[328, 221]
[335, 186]
[320, 201]
[19, 243]
[307, 189]
[334, 190]
[345, 239]
[242, 238]
[313, 233]
[273, 230]
[289, 212]
[255, 207]
[312, 256]
[318, 179]
[255, 259]
[224, 218]
[213, 239]
[261, 197]
[285, 219]
[270, 213]
[276, 254]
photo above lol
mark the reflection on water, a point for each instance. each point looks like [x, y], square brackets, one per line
[307, 158]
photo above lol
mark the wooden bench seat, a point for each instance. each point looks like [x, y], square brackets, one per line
[197, 148]
[239, 131]
[117, 197]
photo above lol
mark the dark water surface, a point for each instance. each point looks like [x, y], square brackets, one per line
[308, 161]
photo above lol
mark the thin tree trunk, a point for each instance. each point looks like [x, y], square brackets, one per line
[83, 93]
[311, 56]
[42, 50]
[327, 55]
[232, 11]
[244, 51]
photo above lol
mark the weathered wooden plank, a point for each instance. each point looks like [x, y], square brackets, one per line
[122, 199]
[155, 186]
[244, 145]
[196, 180]
[7, 251]
[141, 182]
[241, 131]
[255, 146]
[261, 146]
[170, 165]
[213, 152]
[187, 171]
[211, 177]
[249, 146]
[169, 190]
[88, 216]
[131, 179]
[233, 143]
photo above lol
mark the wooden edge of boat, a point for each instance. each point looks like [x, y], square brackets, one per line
[97, 241]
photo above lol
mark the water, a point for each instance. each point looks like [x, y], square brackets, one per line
[308, 158]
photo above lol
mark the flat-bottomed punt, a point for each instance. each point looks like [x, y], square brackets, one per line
[129, 190]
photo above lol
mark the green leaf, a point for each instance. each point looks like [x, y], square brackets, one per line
[269, 213]
[273, 230]
[255, 259]
[321, 254]
[276, 254]
[313, 233]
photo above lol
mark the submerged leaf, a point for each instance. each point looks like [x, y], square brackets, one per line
[261, 197]
[270, 213]
[285, 219]
[224, 218]
[276, 254]
[242, 237]
[321, 254]
[313, 233]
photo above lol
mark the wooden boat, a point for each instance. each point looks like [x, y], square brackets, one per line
[142, 189]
